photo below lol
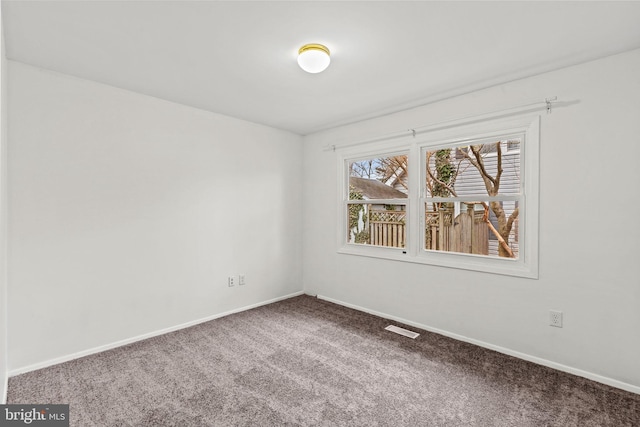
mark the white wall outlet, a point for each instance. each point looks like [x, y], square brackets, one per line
[241, 280]
[555, 318]
[231, 281]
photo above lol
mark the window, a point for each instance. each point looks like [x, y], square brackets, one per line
[472, 194]
[377, 205]
[462, 197]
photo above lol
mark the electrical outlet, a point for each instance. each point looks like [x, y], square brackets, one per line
[241, 280]
[231, 281]
[555, 318]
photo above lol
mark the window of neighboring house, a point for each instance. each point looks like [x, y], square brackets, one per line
[377, 201]
[461, 197]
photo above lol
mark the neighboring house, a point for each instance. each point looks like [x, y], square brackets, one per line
[372, 189]
[469, 181]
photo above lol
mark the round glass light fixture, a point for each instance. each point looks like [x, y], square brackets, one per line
[314, 58]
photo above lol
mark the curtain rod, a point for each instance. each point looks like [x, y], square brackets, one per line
[547, 104]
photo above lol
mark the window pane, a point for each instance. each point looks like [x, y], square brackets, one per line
[481, 228]
[377, 224]
[491, 168]
[379, 178]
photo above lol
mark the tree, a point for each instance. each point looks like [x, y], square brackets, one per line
[441, 183]
[393, 167]
[355, 210]
[364, 169]
[492, 185]
[383, 169]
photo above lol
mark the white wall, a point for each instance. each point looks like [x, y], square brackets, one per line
[127, 214]
[3, 218]
[589, 231]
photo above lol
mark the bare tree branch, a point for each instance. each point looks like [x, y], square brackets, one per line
[444, 184]
[429, 183]
[496, 181]
[478, 155]
[501, 241]
[478, 163]
[514, 215]
[391, 167]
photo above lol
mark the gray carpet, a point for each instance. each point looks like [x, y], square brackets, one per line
[308, 362]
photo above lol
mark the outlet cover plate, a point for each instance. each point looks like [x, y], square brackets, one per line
[555, 318]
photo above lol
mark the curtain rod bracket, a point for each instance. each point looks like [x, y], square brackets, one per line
[413, 132]
[549, 102]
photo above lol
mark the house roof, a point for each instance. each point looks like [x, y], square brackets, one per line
[374, 189]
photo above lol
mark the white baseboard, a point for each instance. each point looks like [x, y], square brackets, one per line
[558, 366]
[121, 343]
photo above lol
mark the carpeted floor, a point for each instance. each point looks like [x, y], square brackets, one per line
[309, 362]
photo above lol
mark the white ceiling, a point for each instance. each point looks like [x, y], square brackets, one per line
[239, 58]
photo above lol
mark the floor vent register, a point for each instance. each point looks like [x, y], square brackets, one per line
[402, 331]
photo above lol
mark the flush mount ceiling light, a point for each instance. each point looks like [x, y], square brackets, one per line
[313, 58]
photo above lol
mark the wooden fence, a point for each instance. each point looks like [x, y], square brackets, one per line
[466, 233]
[387, 228]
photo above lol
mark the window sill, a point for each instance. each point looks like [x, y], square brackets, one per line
[502, 266]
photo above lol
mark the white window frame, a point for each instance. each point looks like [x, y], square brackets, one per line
[526, 265]
[358, 155]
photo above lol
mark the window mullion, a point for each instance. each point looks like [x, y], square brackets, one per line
[415, 189]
